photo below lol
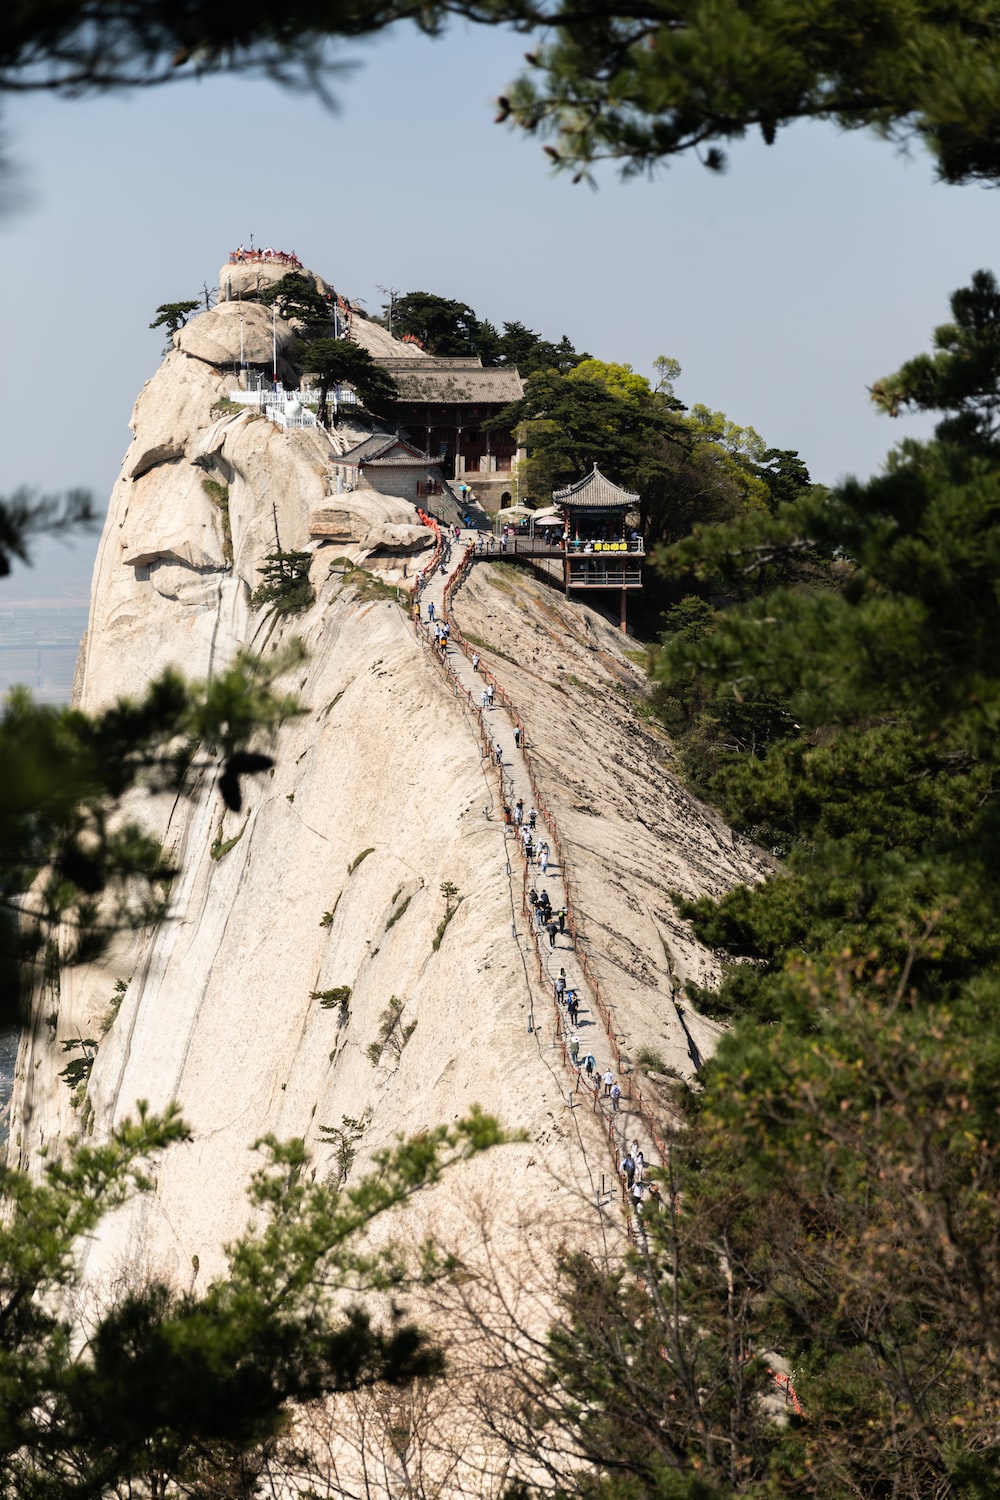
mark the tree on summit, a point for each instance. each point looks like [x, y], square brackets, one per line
[298, 299]
[173, 315]
[443, 326]
[529, 352]
[343, 362]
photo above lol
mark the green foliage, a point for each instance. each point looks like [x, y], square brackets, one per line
[640, 86]
[76, 1074]
[832, 1201]
[25, 515]
[337, 999]
[219, 495]
[445, 327]
[327, 918]
[715, 726]
[364, 583]
[879, 785]
[65, 773]
[223, 407]
[836, 1212]
[173, 315]
[593, 414]
[529, 352]
[298, 300]
[398, 913]
[221, 847]
[150, 1391]
[358, 858]
[962, 377]
[688, 469]
[392, 1034]
[344, 1140]
[342, 361]
[111, 1016]
[451, 904]
[617, 80]
[285, 585]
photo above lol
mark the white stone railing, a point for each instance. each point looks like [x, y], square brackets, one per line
[270, 396]
[285, 418]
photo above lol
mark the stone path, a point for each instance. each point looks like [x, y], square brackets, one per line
[497, 726]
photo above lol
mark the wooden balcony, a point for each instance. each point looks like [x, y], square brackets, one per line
[538, 546]
[604, 572]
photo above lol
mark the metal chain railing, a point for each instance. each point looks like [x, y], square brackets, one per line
[634, 1092]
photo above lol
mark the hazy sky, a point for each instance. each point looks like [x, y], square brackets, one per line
[783, 288]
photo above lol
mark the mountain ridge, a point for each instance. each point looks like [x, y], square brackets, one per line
[332, 876]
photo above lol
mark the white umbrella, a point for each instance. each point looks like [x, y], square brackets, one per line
[547, 520]
[515, 511]
[548, 513]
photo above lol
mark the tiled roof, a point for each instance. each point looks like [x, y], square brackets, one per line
[403, 461]
[385, 448]
[595, 492]
[453, 381]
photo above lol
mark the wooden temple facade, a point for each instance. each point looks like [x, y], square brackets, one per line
[443, 406]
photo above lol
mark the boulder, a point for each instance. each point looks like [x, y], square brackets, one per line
[248, 278]
[172, 518]
[214, 337]
[407, 539]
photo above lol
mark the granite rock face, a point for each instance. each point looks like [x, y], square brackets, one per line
[330, 879]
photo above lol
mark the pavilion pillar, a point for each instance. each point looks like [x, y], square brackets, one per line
[622, 622]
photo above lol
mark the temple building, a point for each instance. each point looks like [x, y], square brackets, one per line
[389, 464]
[602, 546]
[443, 405]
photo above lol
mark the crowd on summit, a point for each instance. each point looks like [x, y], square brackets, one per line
[275, 257]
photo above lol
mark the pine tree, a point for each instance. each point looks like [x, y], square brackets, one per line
[166, 1387]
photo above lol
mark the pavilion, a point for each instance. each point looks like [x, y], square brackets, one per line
[601, 550]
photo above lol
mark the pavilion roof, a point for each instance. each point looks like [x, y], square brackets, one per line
[595, 492]
[385, 449]
[453, 381]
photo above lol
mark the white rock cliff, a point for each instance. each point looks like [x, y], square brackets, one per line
[379, 796]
